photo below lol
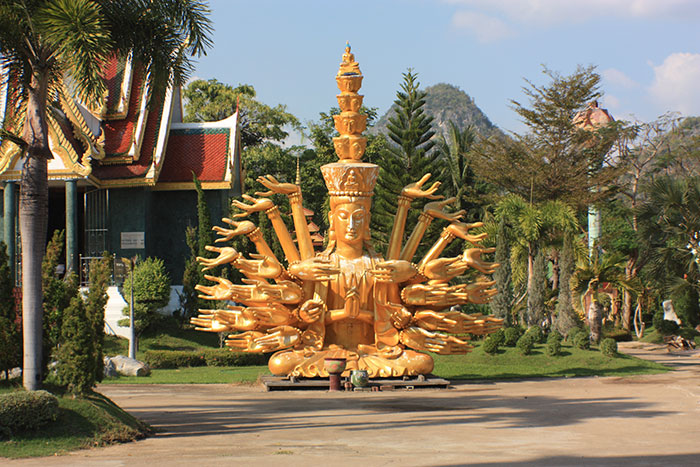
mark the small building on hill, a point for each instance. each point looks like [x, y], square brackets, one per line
[121, 177]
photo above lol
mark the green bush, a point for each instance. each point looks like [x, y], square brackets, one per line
[554, 336]
[151, 292]
[76, 355]
[26, 411]
[499, 336]
[571, 337]
[664, 326]
[214, 357]
[553, 347]
[535, 332]
[525, 344]
[582, 341]
[608, 347]
[511, 336]
[491, 345]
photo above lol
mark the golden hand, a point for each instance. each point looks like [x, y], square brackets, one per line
[480, 293]
[399, 316]
[395, 270]
[414, 190]
[243, 342]
[226, 255]
[461, 230]
[472, 257]
[208, 321]
[420, 339]
[221, 291]
[434, 321]
[274, 186]
[261, 266]
[260, 291]
[271, 315]
[311, 310]
[277, 338]
[436, 209]
[314, 269]
[444, 269]
[483, 325]
[435, 294]
[241, 228]
[236, 317]
[258, 204]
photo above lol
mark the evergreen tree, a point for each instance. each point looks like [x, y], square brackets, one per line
[191, 275]
[407, 158]
[10, 335]
[205, 235]
[151, 293]
[566, 318]
[95, 303]
[58, 292]
[502, 304]
[536, 294]
[76, 355]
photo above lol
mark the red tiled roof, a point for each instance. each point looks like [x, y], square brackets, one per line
[114, 75]
[203, 151]
[119, 133]
[139, 167]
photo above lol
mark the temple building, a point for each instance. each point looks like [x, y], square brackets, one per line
[121, 177]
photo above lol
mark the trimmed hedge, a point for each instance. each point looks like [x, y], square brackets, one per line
[213, 357]
[26, 410]
[491, 345]
[511, 336]
[525, 344]
[608, 347]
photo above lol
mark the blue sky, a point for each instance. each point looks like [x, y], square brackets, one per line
[647, 51]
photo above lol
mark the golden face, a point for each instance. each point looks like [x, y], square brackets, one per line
[349, 222]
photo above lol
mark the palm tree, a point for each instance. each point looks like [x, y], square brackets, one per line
[457, 177]
[535, 228]
[43, 43]
[589, 278]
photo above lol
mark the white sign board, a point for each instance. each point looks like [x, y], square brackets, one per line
[133, 241]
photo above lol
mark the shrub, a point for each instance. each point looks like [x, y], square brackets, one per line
[498, 336]
[582, 341]
[554, 335]
[525, 344]
[214, 357]
[76, 355]
[27, 411]
[511, 336]
[571, 337]
[535, 332]
[491, 345]
[553, 347]
[608, 347]
[151, 292]
[664, 326]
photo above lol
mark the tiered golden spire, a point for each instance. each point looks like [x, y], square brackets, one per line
[350, 145]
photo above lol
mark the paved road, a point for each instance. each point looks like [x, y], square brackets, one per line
[641, 420]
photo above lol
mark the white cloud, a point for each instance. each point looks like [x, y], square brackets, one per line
[485, 28]
[615, 76]
[556, 11]
[675, 85]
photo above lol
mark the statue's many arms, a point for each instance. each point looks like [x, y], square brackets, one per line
[347, 301]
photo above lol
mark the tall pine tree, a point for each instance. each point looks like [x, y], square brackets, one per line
[407, 158]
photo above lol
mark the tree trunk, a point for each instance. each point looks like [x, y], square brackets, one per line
[595, 320]
[631, 270]
[33, 216]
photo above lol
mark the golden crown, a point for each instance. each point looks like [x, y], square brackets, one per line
[350, 179]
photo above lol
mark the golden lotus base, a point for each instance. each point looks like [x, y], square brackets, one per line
[279, 383]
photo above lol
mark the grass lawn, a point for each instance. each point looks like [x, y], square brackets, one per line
[506, 364]
[82, 423]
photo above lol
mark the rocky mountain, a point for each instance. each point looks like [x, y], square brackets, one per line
[446, 103]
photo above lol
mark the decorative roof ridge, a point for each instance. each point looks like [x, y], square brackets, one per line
[228, 122]
[158, 158]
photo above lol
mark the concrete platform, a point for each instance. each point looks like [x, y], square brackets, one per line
[277, 383]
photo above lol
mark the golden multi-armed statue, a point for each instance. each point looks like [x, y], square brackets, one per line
[347, 301]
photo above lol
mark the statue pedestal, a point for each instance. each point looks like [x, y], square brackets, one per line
[334, 367]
